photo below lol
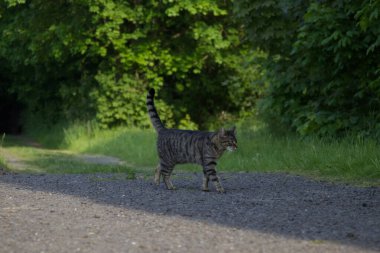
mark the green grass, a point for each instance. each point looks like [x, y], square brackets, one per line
[39, 160]
[350, 159]
[133, 145]
[2, 163]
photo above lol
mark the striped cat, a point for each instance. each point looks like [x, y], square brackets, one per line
[184, 146]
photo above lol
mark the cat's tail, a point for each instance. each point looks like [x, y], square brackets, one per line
[156, 121]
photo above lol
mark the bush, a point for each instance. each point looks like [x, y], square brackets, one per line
[83, 59]
[323, 65]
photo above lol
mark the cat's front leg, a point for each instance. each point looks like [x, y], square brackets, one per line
[217, 184]
[209, 168]
[168, 182]
[205, 183]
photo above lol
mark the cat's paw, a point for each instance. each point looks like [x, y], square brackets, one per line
[172, 187]
[168, 183]
[221, 190]
[205, 189]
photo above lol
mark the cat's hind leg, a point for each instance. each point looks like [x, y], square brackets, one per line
[157, 175]
[166, 171]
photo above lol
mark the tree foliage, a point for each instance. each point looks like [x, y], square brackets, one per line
[97, 57]
[314, 65]
[323, 65]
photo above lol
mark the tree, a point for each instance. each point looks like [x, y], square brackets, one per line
[323, 65]
[80, 59]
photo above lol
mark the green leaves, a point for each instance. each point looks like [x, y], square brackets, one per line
[198, 7]
[271, 25]
[108, 52]
[313, 65]
[323, 65]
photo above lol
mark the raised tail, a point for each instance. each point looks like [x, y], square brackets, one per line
[156, 121]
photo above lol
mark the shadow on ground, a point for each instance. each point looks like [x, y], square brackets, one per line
[282, 204]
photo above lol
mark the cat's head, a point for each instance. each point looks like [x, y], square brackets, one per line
[227, 139]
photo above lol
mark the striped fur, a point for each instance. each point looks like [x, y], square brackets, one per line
[184, 146]
[155, 119]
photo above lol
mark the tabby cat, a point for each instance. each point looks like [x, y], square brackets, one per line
[184, 146]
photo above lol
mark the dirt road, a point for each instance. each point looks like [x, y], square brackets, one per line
[259, 213]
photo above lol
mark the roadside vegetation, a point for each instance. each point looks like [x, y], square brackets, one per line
[310, 69]
[348, 159]
[17, 155]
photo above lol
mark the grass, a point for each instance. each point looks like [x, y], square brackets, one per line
[133, 145]
[351, 159]
[2, 160]
[39, 160]
[2, 163]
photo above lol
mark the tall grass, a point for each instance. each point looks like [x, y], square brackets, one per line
[2, 160]
[349, 159]
[3, 164]
[2, 139]
[135, 146]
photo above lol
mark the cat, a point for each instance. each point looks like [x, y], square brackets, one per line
[176, 146]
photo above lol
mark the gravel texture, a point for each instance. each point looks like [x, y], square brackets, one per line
[259, 213]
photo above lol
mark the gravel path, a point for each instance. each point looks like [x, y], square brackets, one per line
[259, 213]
